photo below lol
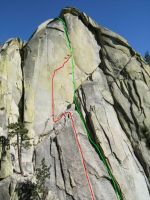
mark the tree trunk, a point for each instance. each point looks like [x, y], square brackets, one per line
[19, 154]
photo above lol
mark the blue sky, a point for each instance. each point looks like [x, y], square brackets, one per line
[129, 18]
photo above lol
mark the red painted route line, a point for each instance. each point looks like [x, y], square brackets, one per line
[73, 126]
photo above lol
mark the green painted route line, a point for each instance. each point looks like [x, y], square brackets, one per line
[97, 148]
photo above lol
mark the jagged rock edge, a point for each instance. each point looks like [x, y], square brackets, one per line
[89, 130]
[95, 29]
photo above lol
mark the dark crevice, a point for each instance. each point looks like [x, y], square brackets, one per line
[136, 91]
[118, 108]
[91, 129]
[139, 155]
[144, 79]
[95, 30]
[70, 197]
[97, 147]
[60, 160]
[54, 159]
[21, 102]
[120, 111]
[134, 157]
[88, 120]
[137, 128]
[115, 155]
[131, 95]
[70, 179]
[104, 133]
[34, 159]
[54, 28]
[61, 167]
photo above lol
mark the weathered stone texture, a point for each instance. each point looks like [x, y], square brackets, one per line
[113, 93]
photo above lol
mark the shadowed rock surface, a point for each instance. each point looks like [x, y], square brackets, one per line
[113, 93]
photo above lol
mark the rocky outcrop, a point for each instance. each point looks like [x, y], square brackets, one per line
[11, 81]
[10, 95]
[85, 102]
[47, 48]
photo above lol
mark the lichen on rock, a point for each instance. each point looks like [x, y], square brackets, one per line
[104, 84]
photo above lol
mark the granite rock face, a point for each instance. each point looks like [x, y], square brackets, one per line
[73, 65]
[10, 96]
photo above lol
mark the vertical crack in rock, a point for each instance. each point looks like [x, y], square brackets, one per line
[137, 151]
[96, 143]
[10, 95]
[119, 64]
[99, 34]
[118, 107]
[126, 63]
[21, 102]
[60, 160]
[112, 99]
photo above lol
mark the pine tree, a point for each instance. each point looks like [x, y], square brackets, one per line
[36, 190]
[147, 57]
[18, 129]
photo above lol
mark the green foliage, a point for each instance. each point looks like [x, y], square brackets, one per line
[19, 129]
[22, 140]
[29, 190]
[147, 57]
[4, 144]
[41, 174]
